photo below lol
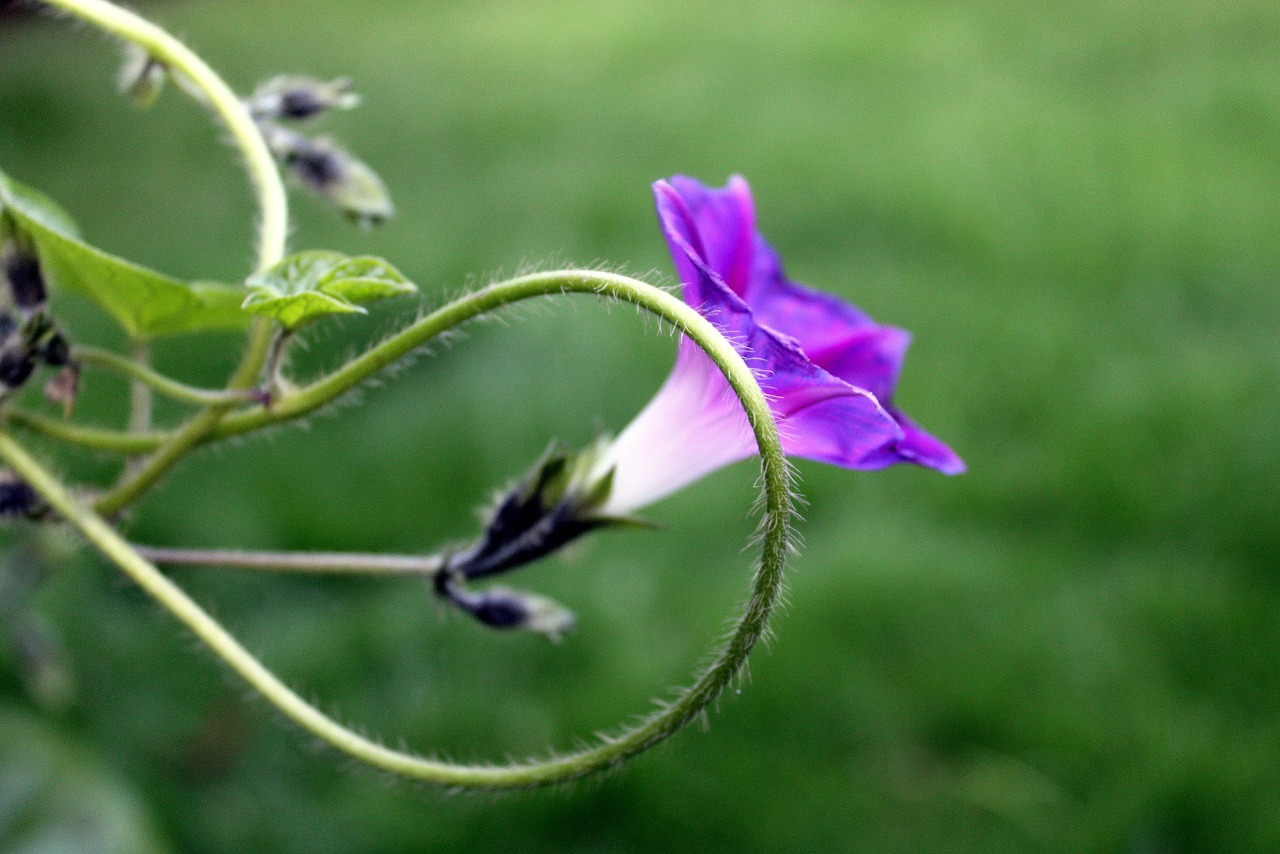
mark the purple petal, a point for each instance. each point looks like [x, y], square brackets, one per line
[725, 220]
[692, 426]
[829, 370]
[916, 446]
[870, 358]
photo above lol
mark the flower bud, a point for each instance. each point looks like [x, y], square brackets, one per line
[296, 97]
[504, 608]
[557, 502]
[327, 169]
[17, 498]
[24, 278]
[16, 367]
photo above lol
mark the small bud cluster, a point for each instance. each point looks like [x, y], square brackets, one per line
[555, 504]
[318, 163]
[28, 336]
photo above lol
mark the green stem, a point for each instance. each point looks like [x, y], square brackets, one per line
[94, 438]
[142, 374]
[140, 403]
[605, 752]
[273, 219]
[308, 562]
[196, 431]
[261, 165]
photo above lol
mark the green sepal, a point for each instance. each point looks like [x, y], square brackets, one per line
[146, 303]
[306, 286]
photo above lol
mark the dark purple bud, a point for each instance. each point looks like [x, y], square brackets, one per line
[503, 608]
[17, 498]
[15, 368]
[56, 352]
[317, 167]
[501, 612]
[296, 97]
[327, 169]
[26, 282]
[300, 103]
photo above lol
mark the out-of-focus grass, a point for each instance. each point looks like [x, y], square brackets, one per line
[1075, 210]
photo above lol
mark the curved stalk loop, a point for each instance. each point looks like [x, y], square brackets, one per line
[607, 751]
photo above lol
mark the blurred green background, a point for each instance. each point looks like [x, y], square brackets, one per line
[1074, 647]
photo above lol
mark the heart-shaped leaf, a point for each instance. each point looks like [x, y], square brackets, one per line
[146, 303]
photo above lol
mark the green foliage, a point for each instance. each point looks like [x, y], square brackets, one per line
[1074, 647]
[146, 303]
[54, 799]
[309, 285]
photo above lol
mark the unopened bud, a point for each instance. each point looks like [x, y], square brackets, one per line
[17, 498]
[327, 169]
[504, 608]
[56, 352]
[16, 367]
[298, 98]
[23, 276]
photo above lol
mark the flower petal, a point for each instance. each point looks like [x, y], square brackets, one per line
[692, 426]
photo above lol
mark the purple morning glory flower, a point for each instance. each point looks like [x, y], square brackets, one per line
[828, 368]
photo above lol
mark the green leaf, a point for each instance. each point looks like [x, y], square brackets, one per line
[146, 303]
[304, 287]
[52, 798]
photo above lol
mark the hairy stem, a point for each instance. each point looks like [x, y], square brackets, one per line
[179, 443]
[141, 374]
[302, 562]
[94, 438]
[259, 162]
[604, 752]
[273, 219]
[140, 403]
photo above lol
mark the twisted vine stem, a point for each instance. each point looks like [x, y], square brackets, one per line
[608, 751]
[215, 421]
